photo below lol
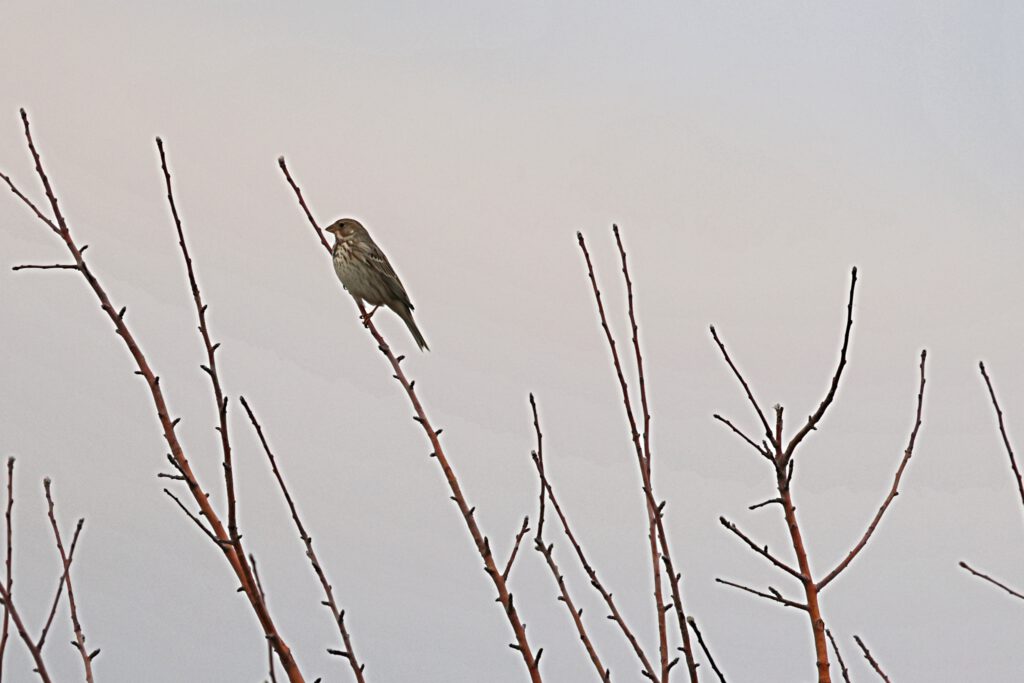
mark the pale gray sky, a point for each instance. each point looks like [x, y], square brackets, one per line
[751, 154]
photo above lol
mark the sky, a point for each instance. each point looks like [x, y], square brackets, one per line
[751, 154]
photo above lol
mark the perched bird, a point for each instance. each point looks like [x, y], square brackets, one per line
[365, 272]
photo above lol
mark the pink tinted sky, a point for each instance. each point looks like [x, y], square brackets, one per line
[751, 156]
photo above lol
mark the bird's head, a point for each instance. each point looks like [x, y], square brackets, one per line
[346, 228]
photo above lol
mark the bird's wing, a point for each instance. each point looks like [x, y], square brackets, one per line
[380, 264]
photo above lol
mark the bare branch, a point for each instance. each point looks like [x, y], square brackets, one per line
[515, 547]
[707, 653]
[839, 657]
[893, 491]
[774, 596]
[656, 530]
[871, 660]
[302, 203]
[813, 420]
[652, 530]
[28, 202]
[271, 669]
[761, 550]
[735, 430]
[60, 586]
[988, 578]
[33, 649]
[65, 559]
[746, 387]
[52, 266]
[764, 503]
[199, 523]
[1002, 432]
[330, 602]
[547, 551]
[9, 581]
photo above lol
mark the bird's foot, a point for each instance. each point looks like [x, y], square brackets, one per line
[366, 316]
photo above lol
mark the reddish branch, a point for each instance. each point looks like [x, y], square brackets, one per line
[871, 660]
[1002, 432]
[338, 615]
[10, 611]
[613, 611]
[1016, 474]
[704, 648]
[986, 577]
[65, 560]
[60, 585]
[839, 657]
[8, 582]
[547, 551]
[813, 420]
[781, 456]
[237, 561]
[659, 600]
[525, 529]
[772, 595]
[482, 544]
[893, 491]
[271, 669]
[655, 509]
[33, 649]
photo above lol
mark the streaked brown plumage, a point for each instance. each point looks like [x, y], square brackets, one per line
[365, 272]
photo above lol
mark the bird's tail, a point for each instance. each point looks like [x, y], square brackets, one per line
[405, 313]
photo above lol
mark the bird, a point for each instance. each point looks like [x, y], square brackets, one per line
[367, 274]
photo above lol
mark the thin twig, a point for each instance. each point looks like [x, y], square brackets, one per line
[704, 647]
[646, 413]
[52, 266]
[656, 525]
[8, 582]
[271, 669]
[743, 383]
[839, 657]
[330, 602]
[199, 523]
[761, 550]
[871, 660]
[302, 203]
[515, 547]
[986, 577]
[893, 491]
[65, 560]
[735, 430]
[1002, 432]
[813, 420]
[60, 586]
[33, 649]
[547, 551]
[774, 596]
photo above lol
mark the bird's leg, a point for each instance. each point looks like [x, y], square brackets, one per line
[366, 317]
